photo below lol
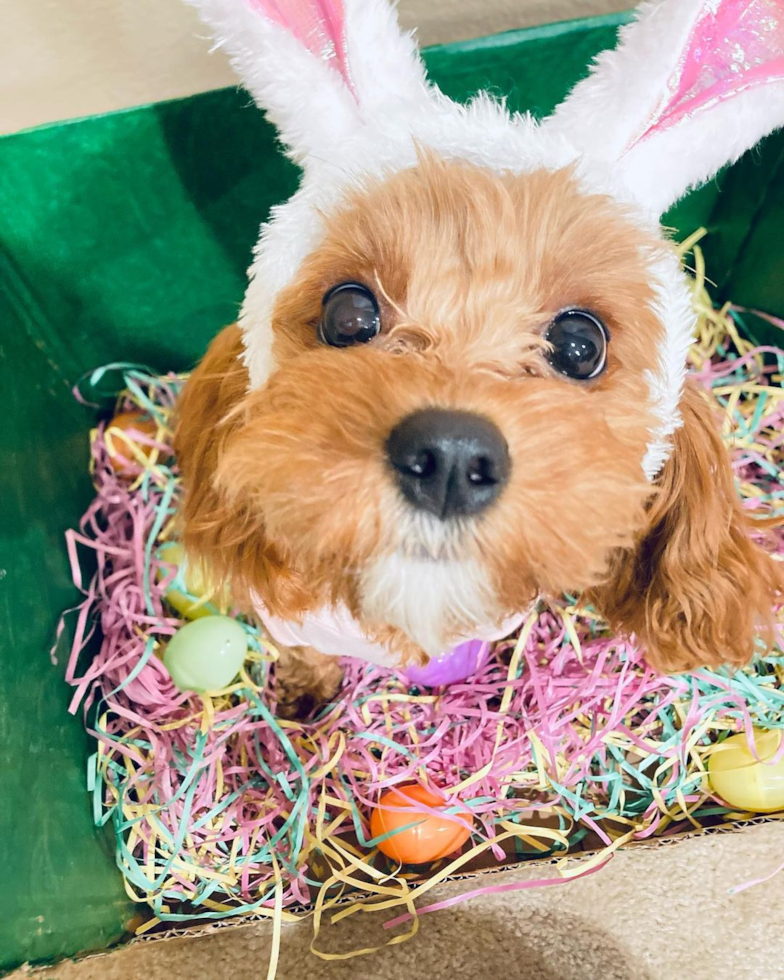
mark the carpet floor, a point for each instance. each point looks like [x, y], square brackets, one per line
[654, 913]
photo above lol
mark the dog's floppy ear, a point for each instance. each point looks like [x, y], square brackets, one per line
[322, 69]
[696, 590]
[691, 86]
[225, 537]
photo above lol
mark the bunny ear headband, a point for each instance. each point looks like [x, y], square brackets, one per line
[691, 85]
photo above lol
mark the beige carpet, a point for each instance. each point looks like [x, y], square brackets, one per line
[660, 913]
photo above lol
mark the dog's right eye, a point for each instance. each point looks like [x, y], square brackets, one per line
[578, 344]
[349, 315]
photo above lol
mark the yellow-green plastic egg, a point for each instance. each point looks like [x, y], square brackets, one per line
[743, 782]
[186, 591]
[207, 654]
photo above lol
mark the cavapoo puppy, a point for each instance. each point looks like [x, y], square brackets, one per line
[458, 380]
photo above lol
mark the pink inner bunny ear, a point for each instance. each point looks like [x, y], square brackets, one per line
[734, 45]
[319, 26]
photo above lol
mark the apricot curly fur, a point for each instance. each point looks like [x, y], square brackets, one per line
[226, 536]
[288, 493]
[696, 589]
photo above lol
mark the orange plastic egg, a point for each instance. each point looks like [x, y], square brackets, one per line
[431, 838]
[122, 449]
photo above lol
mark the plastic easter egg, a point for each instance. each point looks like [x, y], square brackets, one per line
[453, 666]
[430, 839]
[742, 781]
[119, 446]
[207, 654]
[188, 587]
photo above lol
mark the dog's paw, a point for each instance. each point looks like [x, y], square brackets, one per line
[305, 681]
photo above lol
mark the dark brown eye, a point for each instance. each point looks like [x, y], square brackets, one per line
[579, 344]
[349, 315]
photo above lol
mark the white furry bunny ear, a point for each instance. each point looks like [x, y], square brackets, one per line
[320, 68]
[691, 86]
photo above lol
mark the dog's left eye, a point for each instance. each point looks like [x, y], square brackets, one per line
[349, 315]
[578, 344]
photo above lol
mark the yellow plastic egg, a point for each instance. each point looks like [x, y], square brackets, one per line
[188, 587]
[742, 781]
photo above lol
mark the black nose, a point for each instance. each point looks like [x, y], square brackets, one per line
[449, 463]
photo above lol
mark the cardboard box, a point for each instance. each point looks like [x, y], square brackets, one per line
[126, 238]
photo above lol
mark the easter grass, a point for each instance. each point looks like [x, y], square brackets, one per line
[565, 744]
